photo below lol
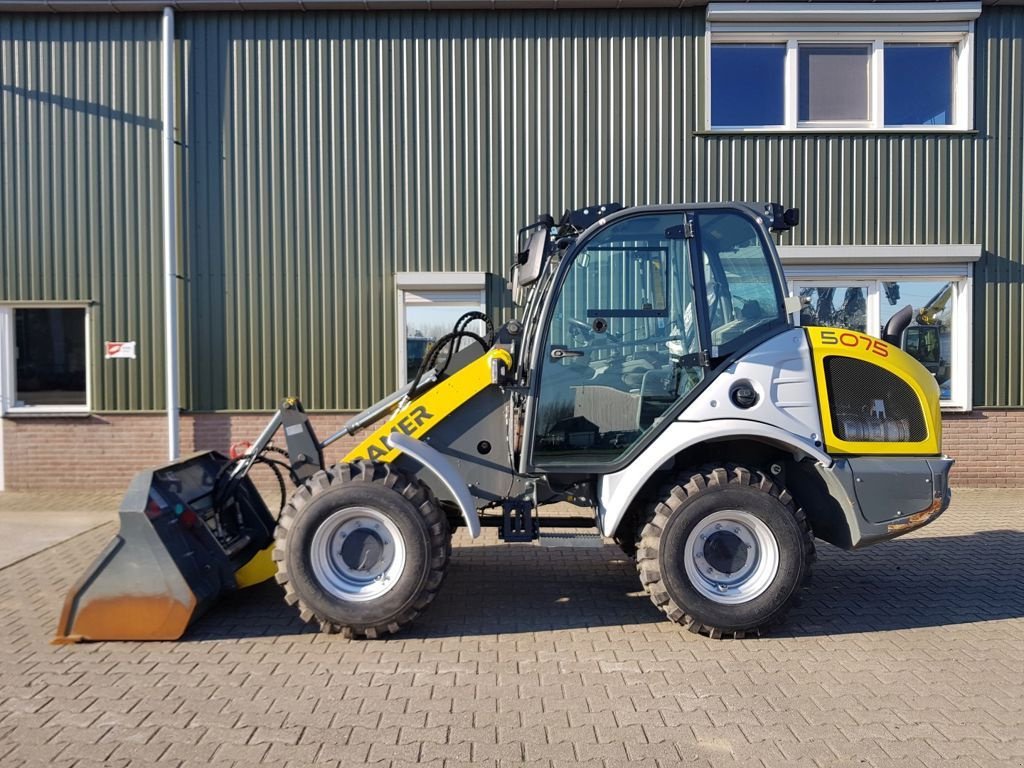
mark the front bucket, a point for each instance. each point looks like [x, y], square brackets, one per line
[179, 547]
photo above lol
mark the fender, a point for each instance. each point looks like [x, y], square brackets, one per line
[434, 461]
[617, 490]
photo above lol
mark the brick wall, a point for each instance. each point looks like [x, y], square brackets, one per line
[103, 452]
[987, 446]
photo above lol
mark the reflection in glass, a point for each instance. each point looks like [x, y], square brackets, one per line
[929, 338]
[426, 323]
[835, 307]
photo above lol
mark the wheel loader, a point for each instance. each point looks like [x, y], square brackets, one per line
[653, 378]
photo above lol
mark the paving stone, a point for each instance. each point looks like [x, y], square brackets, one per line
[901, 654]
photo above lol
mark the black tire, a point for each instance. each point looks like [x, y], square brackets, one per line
[404, 501]
[662, 550]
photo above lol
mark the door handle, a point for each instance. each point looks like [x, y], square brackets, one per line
[558, 352]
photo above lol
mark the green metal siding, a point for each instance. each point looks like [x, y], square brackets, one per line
[322, 152]
[995, 201]
[325, 152]
[80, 197]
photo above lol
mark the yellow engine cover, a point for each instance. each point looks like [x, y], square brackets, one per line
[838, 421]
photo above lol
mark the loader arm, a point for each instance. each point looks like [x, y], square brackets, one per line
[417, 417]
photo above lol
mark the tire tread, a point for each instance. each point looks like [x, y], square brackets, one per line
[672, 497]
[385, 476]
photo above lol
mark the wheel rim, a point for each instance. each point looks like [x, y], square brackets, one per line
[731, 557]
[358, 554]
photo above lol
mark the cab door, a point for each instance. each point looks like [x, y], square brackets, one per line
[620, 345]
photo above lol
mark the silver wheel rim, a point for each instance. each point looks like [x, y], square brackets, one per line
[731, 557]
[358, 554]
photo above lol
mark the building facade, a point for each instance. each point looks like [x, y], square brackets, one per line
[346, 181]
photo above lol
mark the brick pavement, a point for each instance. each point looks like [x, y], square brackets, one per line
[907, 654]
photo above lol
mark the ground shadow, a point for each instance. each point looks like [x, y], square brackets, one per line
[914, 583]
[905, 584]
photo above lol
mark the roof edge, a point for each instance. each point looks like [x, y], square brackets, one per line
[143, 6]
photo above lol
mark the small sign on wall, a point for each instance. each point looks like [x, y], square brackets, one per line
[119, 349]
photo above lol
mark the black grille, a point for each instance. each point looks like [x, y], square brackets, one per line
[871, 405]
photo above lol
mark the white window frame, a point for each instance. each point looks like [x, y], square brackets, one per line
[450, 289]
[9, 368]
[813, 266]
[871, 24]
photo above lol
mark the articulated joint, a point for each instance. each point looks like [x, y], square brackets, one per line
[434, 461]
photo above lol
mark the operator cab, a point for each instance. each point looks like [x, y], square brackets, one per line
[628, 320]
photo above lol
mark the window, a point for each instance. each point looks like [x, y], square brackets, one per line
[737, 101]
[842, 293]
[43, 359]
[839, 304]
[740, 293]
[782, 66]
[868, 306]
[429, 305]
[911, 99]
[834, 83]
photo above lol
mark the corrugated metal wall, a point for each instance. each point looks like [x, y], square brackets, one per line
[322, 152]
[80, 190]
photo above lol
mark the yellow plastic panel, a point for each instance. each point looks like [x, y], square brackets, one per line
[826, 342]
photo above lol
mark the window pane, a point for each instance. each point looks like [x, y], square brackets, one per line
[834, 82]
[747, 84]
[740, 285]
[426, 323]
[919, 84]
[835, 307]
[50, 351]
[929, 338]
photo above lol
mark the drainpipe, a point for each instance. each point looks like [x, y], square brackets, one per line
[170, 233]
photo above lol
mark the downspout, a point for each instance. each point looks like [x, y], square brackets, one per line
[170, 220]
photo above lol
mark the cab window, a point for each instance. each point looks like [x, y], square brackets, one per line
[741, 288]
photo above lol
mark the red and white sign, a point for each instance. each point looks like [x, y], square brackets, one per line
[119, 349]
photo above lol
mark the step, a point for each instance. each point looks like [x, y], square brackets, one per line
[571, 540]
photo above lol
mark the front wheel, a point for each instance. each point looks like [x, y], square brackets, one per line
[362, 549]
[725, 551]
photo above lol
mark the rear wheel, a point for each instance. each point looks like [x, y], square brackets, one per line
[725, 551]
[362, 549]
